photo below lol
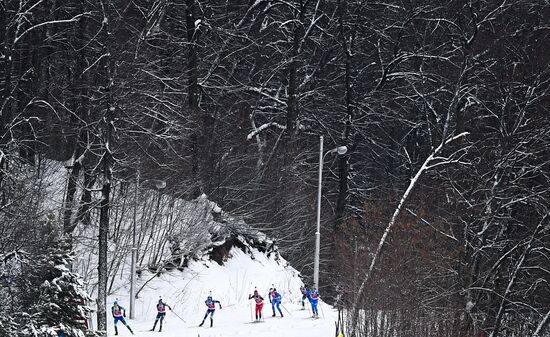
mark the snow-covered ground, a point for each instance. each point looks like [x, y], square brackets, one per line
[200, 226]
[230, 283]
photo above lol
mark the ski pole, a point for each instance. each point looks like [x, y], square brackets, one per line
[286, 309]
[250, 305]
[178, 316]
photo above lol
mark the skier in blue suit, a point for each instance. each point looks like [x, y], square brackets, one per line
[305, 294]
[275, 299]
[211, 304]
[314, 299]
[118, 314]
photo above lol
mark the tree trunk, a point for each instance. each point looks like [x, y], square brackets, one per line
[292, 103]
[68, 224]
[86, 199]
[193, 93]
[103, 244]
[339, 233]
[106, 165]
[5, 109]
[343, 161]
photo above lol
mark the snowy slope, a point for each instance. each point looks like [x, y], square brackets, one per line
[182, 236]
[229, 283]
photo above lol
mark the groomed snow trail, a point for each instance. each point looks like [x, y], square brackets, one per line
[230, 283]
[235, 321]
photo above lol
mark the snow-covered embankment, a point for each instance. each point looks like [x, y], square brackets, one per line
[229, 283]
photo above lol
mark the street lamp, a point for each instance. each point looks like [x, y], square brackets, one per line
[339, 150]
[159, 184]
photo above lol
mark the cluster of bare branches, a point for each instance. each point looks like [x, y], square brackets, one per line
[442, 105]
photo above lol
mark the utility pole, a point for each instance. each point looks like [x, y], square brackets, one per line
[318, 232]
[134, 250]
[341, 150]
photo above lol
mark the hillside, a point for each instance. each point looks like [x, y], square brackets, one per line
[229, 283]
[185, 251]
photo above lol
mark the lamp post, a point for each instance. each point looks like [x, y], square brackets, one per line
[340, 150]
[159, 184]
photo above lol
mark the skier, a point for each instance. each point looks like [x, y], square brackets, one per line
[314, 299]
[259, 304]
[211, 304]
[305, 294]
[161, 313]
[275, 299]
[118, 314]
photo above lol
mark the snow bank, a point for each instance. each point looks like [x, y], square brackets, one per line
[230, 283]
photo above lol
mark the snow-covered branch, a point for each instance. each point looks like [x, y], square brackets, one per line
[53, 22]
[263, 127]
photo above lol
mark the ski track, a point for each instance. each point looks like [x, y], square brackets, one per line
[236, 322]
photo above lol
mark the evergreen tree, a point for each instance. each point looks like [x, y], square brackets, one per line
[42, 297]
[61, 303]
